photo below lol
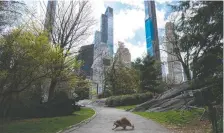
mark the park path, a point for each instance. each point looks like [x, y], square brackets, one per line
[103, 123]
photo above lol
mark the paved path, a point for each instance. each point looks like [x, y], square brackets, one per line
[103, 123]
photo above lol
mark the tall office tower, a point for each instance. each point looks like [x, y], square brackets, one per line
[164, 75]
[152, 41]
[50, 15]
[107, 30]
[163, 57]
[123, 55]
[97, 38]
[175, 73]
[86, 55]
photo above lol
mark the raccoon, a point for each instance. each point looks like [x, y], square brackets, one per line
[123, 122]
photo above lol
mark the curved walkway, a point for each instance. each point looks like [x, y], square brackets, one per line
[103, 123]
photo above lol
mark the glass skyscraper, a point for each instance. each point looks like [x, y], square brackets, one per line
[151, 31]
[107, 29]
[97, 38]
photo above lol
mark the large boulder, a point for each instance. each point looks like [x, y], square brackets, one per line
[172, 99]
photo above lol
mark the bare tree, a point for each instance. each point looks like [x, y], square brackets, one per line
[99, 66]
[72, 25]
[175, 52]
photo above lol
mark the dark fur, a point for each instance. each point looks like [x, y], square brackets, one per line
[123, 122]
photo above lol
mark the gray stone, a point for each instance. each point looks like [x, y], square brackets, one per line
[170, 100]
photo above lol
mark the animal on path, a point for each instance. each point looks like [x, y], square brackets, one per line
[123, 122]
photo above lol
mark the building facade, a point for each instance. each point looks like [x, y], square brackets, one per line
[97, 38]
[151, 31]
[50, 17]
[98, 67]
[86, 55]
[175, 70]
[107, 29]
[104, 28]
[103, 49]
[123, 55]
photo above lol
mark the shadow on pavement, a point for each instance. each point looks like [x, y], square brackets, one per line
[123, 129]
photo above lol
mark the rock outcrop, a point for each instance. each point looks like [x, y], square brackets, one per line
[172, 99]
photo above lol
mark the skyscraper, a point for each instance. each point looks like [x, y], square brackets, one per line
[50, 15]
[100, 53]
[103, 48]
[175, 73]
[97, 38]
[107, 29]
[152, 41]
[104, 28]
[86, 55]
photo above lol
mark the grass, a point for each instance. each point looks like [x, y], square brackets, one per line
[126, 107]
[169, 117]
[188, 122]
[46, 125]
[172, 117]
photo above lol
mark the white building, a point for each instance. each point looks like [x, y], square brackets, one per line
[103, 48]
[175, 70]
[123, 55]
[101, 52]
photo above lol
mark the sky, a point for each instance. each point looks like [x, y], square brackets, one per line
[129, 24]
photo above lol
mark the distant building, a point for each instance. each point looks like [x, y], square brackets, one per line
[103, 49]
[50, 15]
[86, 55]
[98, 67]
[97, 38]
[163, 58]
[107, 29]
[152, 41]
[123, 55]
[175, 71]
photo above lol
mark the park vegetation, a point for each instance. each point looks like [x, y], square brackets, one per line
[39, 70]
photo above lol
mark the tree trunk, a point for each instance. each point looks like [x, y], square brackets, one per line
[213, 119]
[5, 104]
[52, 89]
[187, 71]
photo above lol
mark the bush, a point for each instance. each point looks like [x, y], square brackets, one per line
[83, 93]
[61, 105]
[99, 96]
[125, 100]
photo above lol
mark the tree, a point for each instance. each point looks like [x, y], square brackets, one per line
[201, 25]
[82, 85]
[26, 58]
[149, 72]
[72, 25]
[120, 79]
[195, 30]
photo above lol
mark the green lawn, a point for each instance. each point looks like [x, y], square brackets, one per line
[46, 125]
[186, 123]
[126, 107]
[172, 117]
[168, 117]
